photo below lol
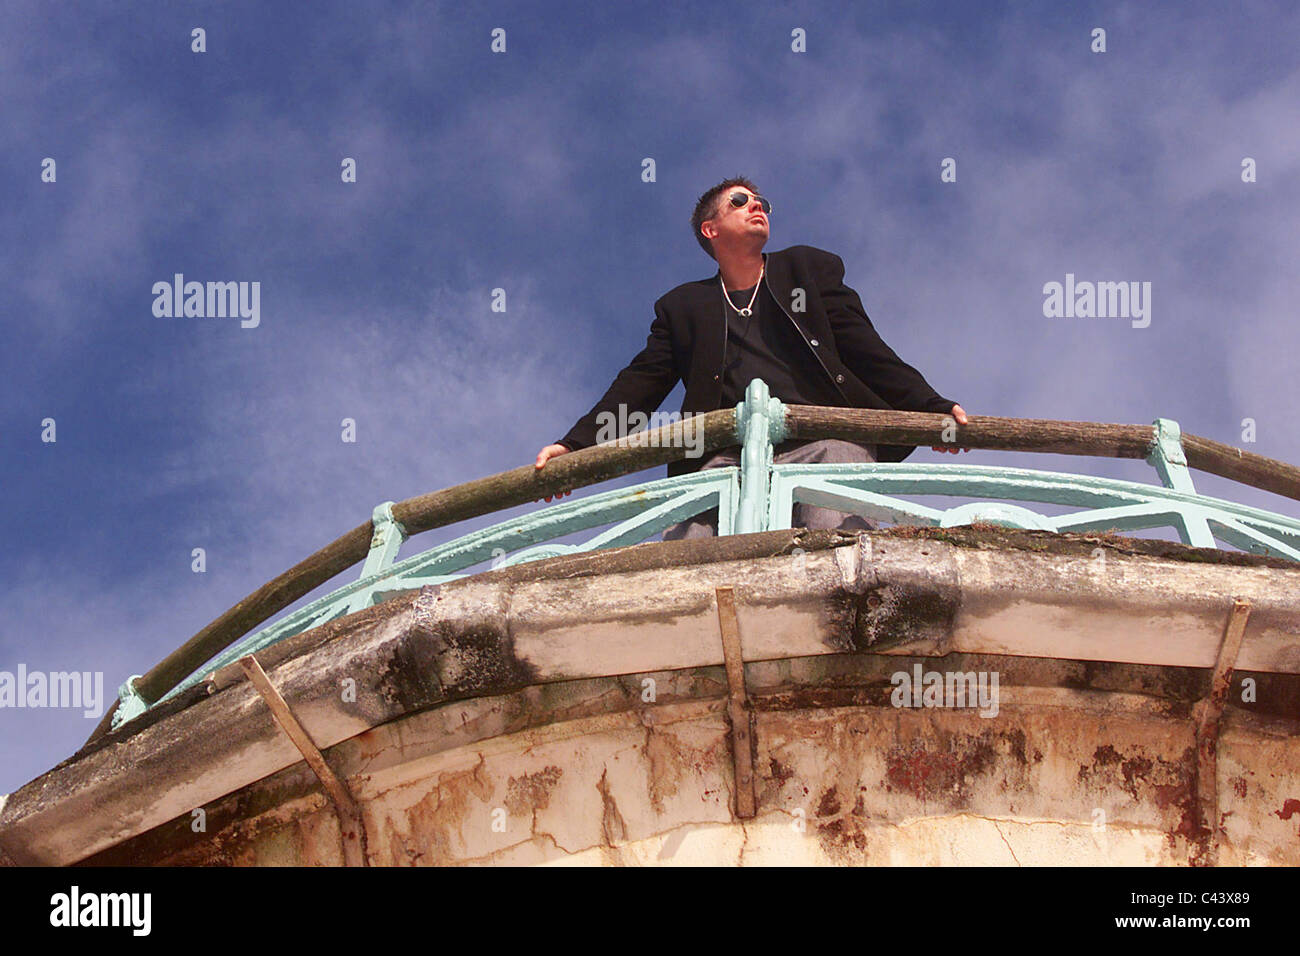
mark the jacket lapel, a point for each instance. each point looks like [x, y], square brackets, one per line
[779, 278]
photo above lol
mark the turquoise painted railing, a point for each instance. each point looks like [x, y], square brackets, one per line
[759, 495]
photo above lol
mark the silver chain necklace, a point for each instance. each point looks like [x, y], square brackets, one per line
[749, 309]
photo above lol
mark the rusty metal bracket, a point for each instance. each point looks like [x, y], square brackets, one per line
[1208, 714]
[351, 825]
[738, 709]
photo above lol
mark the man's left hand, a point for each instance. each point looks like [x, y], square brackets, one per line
[959, 414]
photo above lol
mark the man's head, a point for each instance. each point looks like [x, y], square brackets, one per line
[718, 220]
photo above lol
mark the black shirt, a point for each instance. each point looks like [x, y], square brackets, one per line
[767, 345]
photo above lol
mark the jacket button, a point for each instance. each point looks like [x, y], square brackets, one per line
[813, 343]
[839, 379]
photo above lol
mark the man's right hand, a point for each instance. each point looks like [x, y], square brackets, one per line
[545, 455]
[959, 414]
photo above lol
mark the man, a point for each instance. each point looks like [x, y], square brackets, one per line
[786, 317]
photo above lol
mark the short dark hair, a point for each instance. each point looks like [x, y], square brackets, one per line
[706, 208]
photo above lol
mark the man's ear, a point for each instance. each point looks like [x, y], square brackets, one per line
[708, 229]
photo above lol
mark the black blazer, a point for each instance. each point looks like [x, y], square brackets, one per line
[686, 344]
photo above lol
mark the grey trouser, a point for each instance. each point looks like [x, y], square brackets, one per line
[828, 450]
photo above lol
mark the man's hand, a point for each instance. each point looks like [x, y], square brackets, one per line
[959, 414]
[545, 455]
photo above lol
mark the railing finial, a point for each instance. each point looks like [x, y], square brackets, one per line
[1167, 456]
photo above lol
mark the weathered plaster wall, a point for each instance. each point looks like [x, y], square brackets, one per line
[520, 692]
[1061, 775]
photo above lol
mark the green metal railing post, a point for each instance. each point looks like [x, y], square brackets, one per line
[1167, 456]
[1170, 462]
[760, 424]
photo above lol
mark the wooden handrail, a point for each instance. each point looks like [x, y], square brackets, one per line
[648, 449]
[807, 422]
[1095, 439]
[1245, 467]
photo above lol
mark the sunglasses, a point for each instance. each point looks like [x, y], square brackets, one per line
[739, 199]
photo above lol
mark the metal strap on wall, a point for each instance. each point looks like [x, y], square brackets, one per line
[738, 710]
[1208, 714]
[351, 824]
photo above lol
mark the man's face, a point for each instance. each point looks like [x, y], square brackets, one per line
[732, 225]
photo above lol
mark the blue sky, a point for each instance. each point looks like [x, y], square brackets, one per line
[522, 171]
